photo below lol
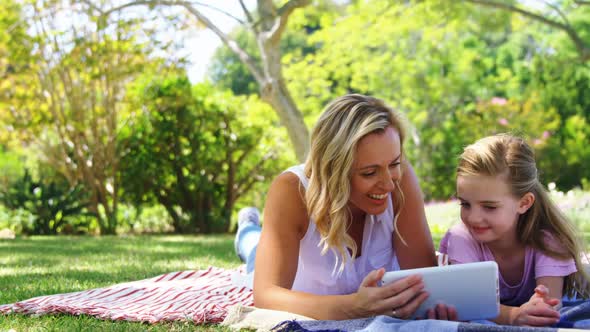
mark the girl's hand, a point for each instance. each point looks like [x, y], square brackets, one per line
[398, 299]
[539, 310]
[543, 292]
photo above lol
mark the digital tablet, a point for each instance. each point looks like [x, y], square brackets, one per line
[472, 288]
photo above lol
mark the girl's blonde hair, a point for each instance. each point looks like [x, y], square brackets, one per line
[343, 123]
[512, 158]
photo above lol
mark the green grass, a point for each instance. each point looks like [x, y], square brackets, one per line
[41, 265]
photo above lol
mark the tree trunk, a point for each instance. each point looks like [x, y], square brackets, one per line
[275, 93]
[273, 89]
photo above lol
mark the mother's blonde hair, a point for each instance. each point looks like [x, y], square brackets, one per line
[343, 123]
[512, 158]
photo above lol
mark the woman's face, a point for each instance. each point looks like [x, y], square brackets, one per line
[376, 167]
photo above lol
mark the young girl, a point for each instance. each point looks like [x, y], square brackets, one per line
[509, 218]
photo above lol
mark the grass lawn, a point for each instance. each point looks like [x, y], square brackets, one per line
[41, 265]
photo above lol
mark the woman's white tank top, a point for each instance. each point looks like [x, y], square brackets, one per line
[318, 274]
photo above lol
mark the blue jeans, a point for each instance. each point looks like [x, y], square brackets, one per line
[246, 242]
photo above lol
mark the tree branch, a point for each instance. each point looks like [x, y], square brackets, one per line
[583, 49]
[291, 5]
[246, 58]
[221, 11]
[229, 42]
[523, 12]
[283, 16]
[92, 6]
[246, 12]
[559, 12]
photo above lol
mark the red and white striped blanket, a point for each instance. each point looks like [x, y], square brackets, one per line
[198, 296]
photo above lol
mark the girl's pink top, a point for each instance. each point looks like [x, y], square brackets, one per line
[461, 247]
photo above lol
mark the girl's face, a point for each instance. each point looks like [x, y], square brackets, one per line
[488, 208]
[376, 167]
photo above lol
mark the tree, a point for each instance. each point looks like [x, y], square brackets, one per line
[194, 151]
[267, 27]
[67, 97]
[15, 52]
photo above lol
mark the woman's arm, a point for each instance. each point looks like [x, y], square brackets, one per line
[411, 223]
[285, 223]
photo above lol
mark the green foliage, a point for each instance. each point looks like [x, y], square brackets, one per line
[564, 87]
[576, 150]
[11, 166]
[444, 64]
[15, 47]
[143, 219]
[17, 220]
[196, 151]
[52, 204]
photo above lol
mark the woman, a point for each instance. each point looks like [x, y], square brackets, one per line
[333, 226]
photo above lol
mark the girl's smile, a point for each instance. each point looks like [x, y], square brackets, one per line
[479, 229]
[488, 208]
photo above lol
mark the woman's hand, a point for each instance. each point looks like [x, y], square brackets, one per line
[398, 299]
[539, 310]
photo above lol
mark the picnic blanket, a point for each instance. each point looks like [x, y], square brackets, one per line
[575, 315]
[199, 296]
[207, 296]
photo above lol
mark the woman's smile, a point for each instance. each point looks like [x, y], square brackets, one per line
[378, 197]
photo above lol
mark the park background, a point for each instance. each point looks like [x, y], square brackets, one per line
[115, 166]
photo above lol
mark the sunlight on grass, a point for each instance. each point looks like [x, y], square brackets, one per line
[39, 265]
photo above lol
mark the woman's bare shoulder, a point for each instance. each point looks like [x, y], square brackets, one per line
[285, 203]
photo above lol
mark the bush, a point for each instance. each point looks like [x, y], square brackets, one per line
[43, 208]
[147, 219]
[195, 151]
